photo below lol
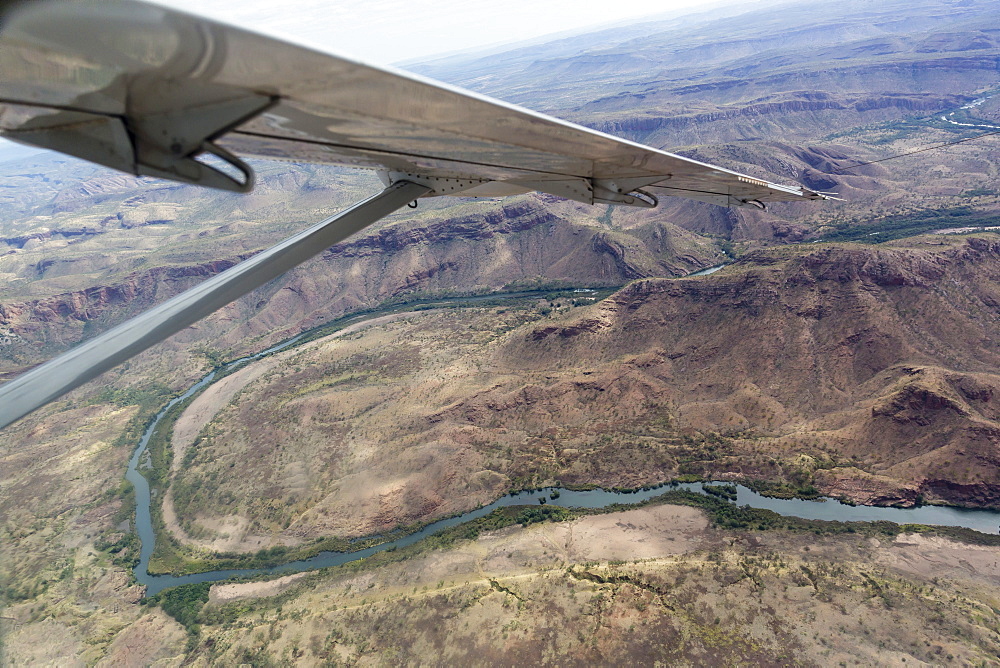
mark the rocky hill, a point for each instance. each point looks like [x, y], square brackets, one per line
[885, 357]
[870, 373]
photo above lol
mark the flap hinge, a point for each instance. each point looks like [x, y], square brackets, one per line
[176, 143]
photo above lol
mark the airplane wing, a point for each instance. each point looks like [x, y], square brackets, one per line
[157, 92]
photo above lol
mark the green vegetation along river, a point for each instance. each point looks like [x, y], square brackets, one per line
[985, 521]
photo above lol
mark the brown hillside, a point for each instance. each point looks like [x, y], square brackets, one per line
[887, 355]
[868, 372]
[520, 241]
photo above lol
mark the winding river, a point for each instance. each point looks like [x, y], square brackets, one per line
[986, 521]
[972, 105]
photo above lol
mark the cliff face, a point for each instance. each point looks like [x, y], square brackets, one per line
[40, 328]
[521, 241]
[516, 242]
[766, 118]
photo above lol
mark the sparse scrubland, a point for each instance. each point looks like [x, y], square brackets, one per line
[655, 584]
[864, 366]
[438, 412]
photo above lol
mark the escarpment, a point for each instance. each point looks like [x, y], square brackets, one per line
[521, 241]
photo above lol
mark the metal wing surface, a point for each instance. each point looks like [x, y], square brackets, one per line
[156, 92]
[153, 91]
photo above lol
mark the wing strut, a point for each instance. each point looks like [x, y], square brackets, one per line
[59, 375]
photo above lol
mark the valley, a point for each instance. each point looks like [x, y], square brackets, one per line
[181, 432]
[437, 412]
[845, 350]
[654, 584]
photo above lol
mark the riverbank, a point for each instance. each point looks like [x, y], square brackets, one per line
[526, 508]
[173, 556]
[634, 586]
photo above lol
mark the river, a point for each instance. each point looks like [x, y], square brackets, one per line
[986, 521]
[972, 105]
[706, 272]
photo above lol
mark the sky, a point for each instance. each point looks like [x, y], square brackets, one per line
[384, 32]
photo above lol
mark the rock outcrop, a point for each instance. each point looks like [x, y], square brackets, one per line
[516, 242]
[886, 356]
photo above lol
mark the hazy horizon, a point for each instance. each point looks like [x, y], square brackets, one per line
[397, 30]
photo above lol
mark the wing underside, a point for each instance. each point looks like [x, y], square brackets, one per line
[155, 92]
[152, 91]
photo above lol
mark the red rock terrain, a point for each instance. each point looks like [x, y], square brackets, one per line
[522, 241]
[867, 372]
[886, 356]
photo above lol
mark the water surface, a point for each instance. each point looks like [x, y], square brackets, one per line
[986, 521]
